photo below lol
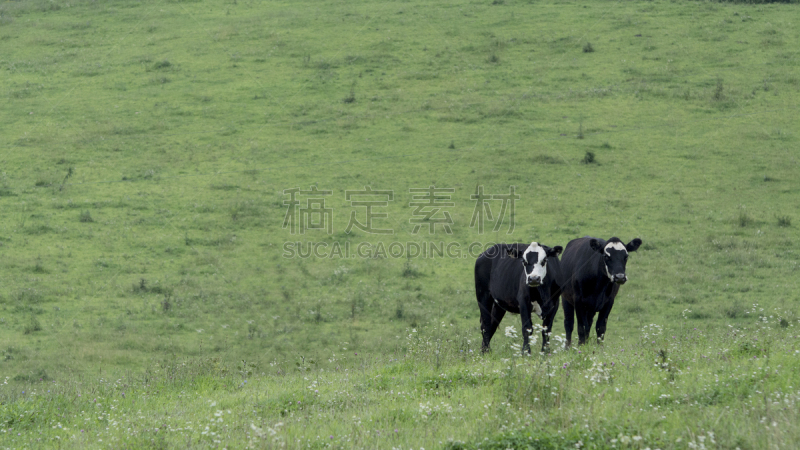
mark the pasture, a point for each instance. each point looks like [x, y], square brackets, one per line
[157, 292]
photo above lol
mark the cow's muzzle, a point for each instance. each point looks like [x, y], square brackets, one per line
[620, 278]
[534, 281]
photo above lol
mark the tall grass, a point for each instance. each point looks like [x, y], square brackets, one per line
[665, 387]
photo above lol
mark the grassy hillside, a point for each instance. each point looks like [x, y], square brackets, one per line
[145, 148]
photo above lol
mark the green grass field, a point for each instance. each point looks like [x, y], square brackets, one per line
[147, 299]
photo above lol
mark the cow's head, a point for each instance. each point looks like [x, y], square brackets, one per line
[615, 256]
[534, 261]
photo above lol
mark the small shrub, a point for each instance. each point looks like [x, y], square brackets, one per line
[33, 326]
[588, 48]
[588, 158]
[734, 311]
[140, 287]
[748, 348]
[410, 270]
[162, 65]
[252, 330]
[784, 221]
[86, 217]
[399, 312]
[352, 97]
[743, 219]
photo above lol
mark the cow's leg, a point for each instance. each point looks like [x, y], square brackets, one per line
[527, 326]
[494, 322]
[589, 320]
[483, 272]
[547, 325]
[602, 320]
[569, 319]
[485, 303]
[583, 323]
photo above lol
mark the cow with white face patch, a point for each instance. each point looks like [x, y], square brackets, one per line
[592, 271]
[521, 279]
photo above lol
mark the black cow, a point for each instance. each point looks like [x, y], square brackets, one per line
[592, 271]
[518, 278]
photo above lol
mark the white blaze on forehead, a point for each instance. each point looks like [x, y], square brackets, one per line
[615, 246]
[538, 268]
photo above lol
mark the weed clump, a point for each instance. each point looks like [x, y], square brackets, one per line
[784, 221]
[410, 270]
[352, 97]
[744, 220]
[143, 288]
[162, 65]
[588, 48]
[734, 311]
[589, 158]
[86, 217]
[32, 326]
[39, 268]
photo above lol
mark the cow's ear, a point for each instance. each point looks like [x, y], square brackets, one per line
[596, 246]
[554, 251]
[514, 252]
[633, 245]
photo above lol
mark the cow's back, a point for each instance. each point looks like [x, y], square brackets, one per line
[574, 259]
[578, 263]
[503, 271]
